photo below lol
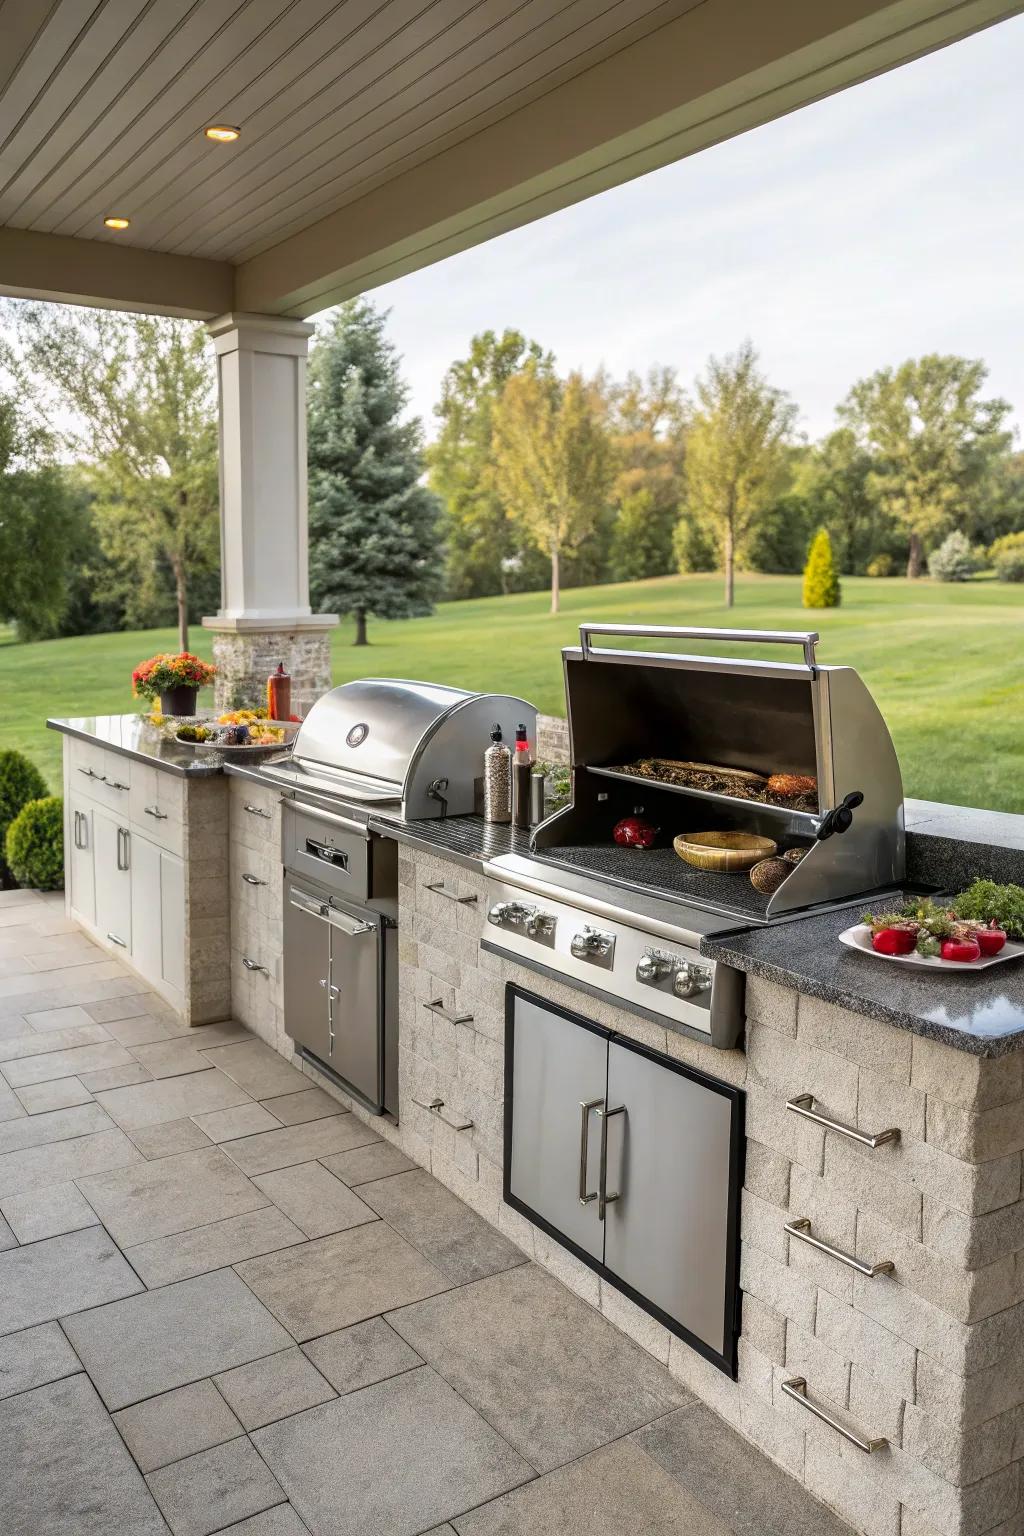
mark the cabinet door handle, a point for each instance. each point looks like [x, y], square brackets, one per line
[796, 1387]
[114, 783]
[436, 1107]
[77, 835]
[254, 810]
[586, 1105]
[89, 773]
[801, 1228]
[155, 812]
[253, 880]
[437, 1006]
[115, 940]
[123, 849]
[803, 1104]
[603, 1197]
[329, 987]
[442, 890]
[254, 965]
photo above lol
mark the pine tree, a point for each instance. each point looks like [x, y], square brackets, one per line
[821, 580]
[375, 544]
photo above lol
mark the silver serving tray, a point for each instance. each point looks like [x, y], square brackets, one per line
[859, 938]
[248, 749]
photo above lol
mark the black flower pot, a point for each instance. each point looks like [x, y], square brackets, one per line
[179, 701]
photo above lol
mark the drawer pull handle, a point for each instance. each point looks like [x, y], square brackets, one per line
[801, 1228]
[796, 1387]
[436, 1005]
[115, 940]
[442, 890]
[803, 1104]
[254, 965]
[255, 810]
[457, 1123]
[155, 812]
[90, 773]
[115, 783]
[253, 880]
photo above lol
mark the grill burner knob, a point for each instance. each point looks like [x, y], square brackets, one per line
[511, 914]
[653, 967]
[593, 945]
[541, 925]
[689, 980]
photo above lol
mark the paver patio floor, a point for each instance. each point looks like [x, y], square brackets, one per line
[227, 1306]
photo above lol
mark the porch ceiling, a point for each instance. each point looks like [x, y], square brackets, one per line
[376, 137]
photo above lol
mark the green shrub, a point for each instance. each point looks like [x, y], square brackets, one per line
[20, 782]
[1007, 557]
[821, 580]
[953, 560]
[35, 844]
[881, 565]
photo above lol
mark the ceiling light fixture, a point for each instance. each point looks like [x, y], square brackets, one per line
[116, 221]
[220, 133]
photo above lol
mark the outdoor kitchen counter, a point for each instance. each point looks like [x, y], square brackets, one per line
[982, 1013]
[133, 736]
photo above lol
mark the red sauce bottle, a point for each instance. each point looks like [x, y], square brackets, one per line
[279, 693]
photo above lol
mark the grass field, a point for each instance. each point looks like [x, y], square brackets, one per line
[946, 664]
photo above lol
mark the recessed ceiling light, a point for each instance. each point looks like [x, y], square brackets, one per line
[221, 133]
[116, 221]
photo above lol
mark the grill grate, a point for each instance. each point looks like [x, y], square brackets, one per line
[661, 871]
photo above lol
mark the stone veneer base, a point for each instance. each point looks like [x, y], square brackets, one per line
[245, 659]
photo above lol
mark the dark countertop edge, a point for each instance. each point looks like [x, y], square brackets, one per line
[197, 770]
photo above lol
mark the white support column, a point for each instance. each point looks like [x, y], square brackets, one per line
[265, 615]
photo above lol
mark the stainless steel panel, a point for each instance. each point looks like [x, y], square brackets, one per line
[372, 726]
[307, 968]
[355, 1043]
[668, 1161]
[558, 1067]
[328, 849]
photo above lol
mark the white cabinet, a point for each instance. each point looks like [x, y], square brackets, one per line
[172, 921]
[81, 872]
[147, 915]
[112, 863]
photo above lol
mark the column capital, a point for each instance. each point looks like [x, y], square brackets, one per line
[240, 332]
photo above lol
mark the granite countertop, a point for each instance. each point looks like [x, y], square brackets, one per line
[977, 1011]
[133, 736]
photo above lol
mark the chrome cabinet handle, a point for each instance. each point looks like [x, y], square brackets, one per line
[801, 1228]
[254, 810]
[155, 812]
[329, 987]
[604, 1199]
[253, 880]
[114, 783]
[79, 833]
[456, 1122]
[437, 1006]
[586, 1105]
[796, 1387]
[254, 965]
[442, 890]
[115, 940]
[123, 849]
[90, 773]
[803, 1105]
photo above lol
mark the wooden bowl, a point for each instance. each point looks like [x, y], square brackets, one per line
[727, 853]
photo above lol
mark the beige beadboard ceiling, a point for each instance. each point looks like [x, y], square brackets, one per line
[375, 137]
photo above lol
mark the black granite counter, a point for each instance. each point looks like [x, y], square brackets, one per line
[977, 1011]
[133, 736]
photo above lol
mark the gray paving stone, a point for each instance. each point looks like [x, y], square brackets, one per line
[279, 1521]
[172, 1057]
[58, 1018]
[7, 1237]
[378, 1161]
[57, 1125]
[61, 1275]
[341, 1279]
[111, 1009]
[172, 1098]
[329, 1459]
[205, 1492]
[243, 1120]
[273, 1388]
[33, 1357]
[167, 1338]
[297, 1108]
[48, 1212]
[732, 1478]
[116, 1077]
[66, 1471]
[168, 1138]
[299, 1143]
[314, 1199]
[35, 1167]
[177, 1424]
[552, 1375]
[617, 1488]
[171, 1194]
[462, 1245]
[137, 1028]
[208, 1035]
[187, 1254]
[34, 1043]
[361, 1355]
[11, 1107]
[256, 1068]
[82, 1058]
[62, 1093]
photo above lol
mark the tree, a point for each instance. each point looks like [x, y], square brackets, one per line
[375, 546]
[821, 580]
[485, 547]
[647, 422]
[552, 461]
[37, 527]
[835, 480]
[736, 452]
[139, 392]
[936, 444]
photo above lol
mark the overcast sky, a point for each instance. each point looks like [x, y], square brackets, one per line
[882, 223]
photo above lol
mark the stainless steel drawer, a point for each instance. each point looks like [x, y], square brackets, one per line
[338, 854]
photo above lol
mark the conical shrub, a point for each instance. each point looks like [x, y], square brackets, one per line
[821, 579]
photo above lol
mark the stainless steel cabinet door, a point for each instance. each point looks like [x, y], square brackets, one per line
[668, 1163]
[307, 970]
[354, 1047]
[558, 1084]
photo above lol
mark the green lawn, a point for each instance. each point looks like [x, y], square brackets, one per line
[946, 663]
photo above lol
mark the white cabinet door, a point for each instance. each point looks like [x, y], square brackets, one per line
[172, 920]
[146, 905]
[112, 862]
[81, 873]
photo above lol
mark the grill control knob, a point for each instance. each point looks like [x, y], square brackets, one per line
[593, 945]
[541, 925]
[653, 967]
[510, 914]
[689, 980]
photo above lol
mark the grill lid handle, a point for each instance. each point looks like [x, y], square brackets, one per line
[806, 639]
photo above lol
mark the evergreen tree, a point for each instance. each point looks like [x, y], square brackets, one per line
[375, 545]
[821, 581]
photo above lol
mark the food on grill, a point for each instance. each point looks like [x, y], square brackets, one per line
[794, 855]
[634, 832]
[797, 791]
[723, 852]
[767, 876]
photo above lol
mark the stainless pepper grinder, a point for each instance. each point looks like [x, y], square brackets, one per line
[497, 779]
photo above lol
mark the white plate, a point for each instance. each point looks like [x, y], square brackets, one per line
[860, 938]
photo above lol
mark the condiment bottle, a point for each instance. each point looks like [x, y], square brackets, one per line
[497, 779]
[522, 765]
[279, 694]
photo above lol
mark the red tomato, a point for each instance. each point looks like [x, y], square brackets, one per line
[963, 950]
[990, 940]
[894, 941]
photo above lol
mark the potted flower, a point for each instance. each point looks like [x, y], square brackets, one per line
[173, 679]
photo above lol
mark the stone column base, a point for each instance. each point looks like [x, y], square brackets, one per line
[245, 657]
